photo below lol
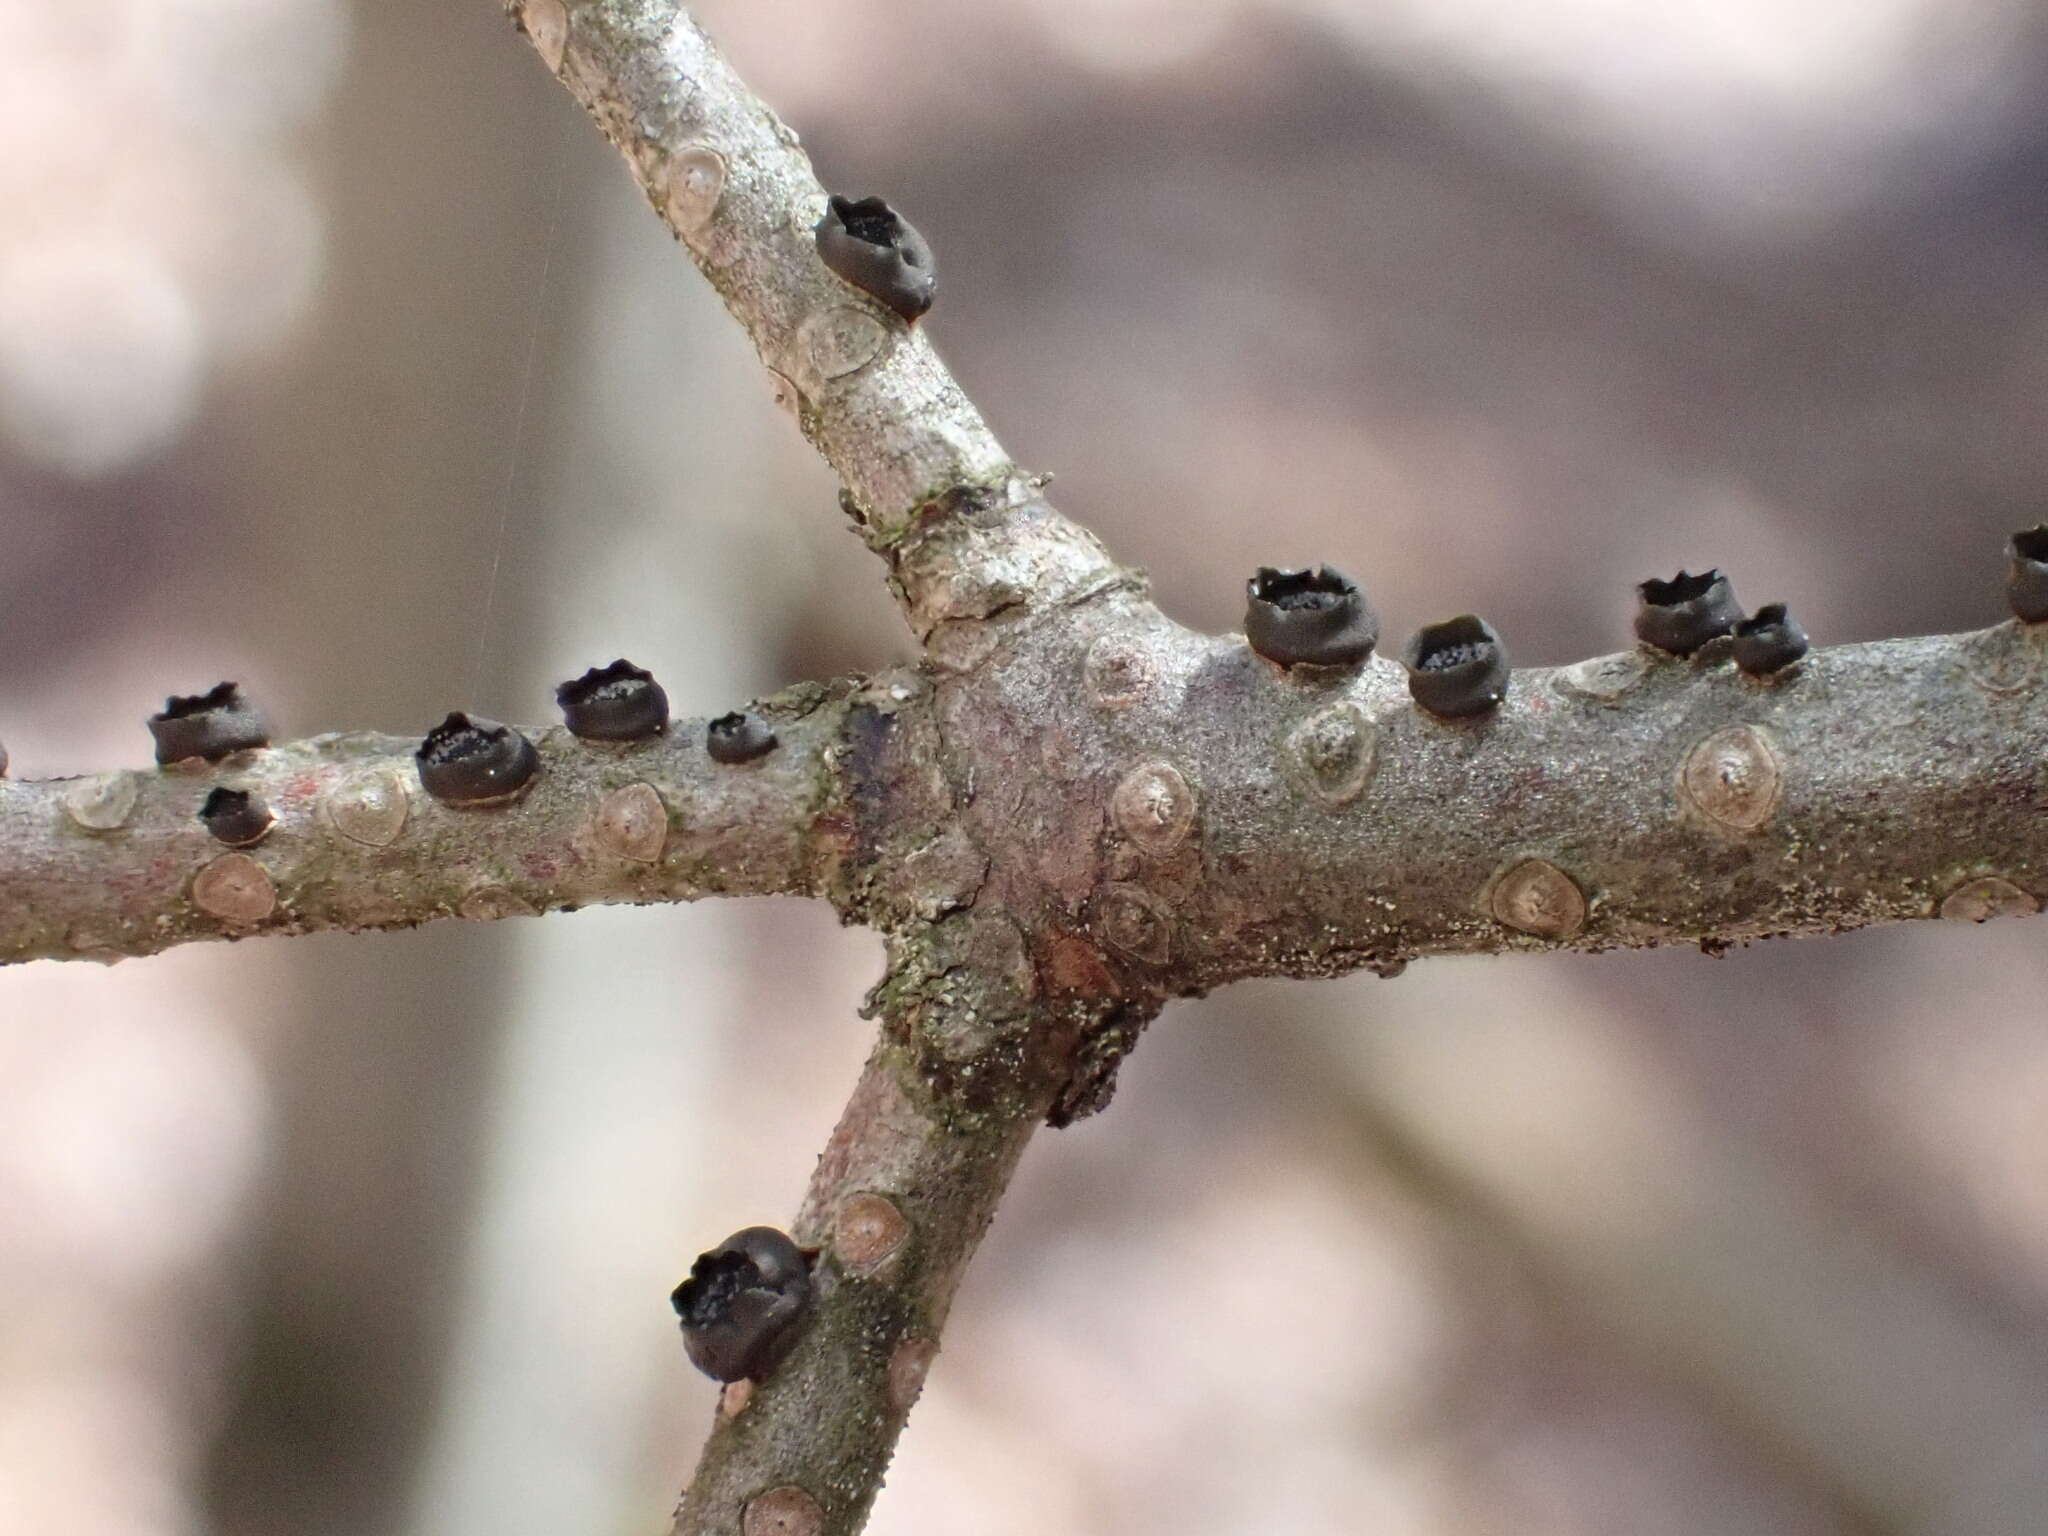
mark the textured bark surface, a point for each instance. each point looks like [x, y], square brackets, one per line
[117, 864]
[1241, 821]
[1074, 810]
[728, 176]
[896, 1208]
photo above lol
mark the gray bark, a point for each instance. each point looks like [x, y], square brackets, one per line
[119, 863]
[1073, 811]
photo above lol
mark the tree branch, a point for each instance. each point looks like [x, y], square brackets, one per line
[120, 864]
[901, 1197]
[1628, 801]
[1076, 810]
[932, 489]
[731, 181]
[1210, 817]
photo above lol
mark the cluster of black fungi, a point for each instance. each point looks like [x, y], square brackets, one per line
[1315, 619]
[744, 1304]
[1458, 669]
[465, 761]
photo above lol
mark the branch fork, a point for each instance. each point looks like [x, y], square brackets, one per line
[1075, 810]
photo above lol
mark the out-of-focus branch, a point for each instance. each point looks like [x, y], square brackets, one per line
[899, 1202]
[121, 864]
[931, 487]
[1685, 1246]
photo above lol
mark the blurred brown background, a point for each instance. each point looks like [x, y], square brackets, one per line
[337, 355]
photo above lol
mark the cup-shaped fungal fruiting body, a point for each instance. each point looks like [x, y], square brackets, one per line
[2026, 575]
[1458, 668]
[1317, 618]
[1768, 641]
[743, 1305]
[739, 737]
[620, 702]
[469, 761]
[237, 817]
[864, 241]
[1684, 613]
[208, 725]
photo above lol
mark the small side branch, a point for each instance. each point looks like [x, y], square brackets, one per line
[934, 492]
[730, 179]
[122, 863]
[899, 1202]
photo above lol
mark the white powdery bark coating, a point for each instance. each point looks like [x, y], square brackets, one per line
[732, 182]
[120, 864]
